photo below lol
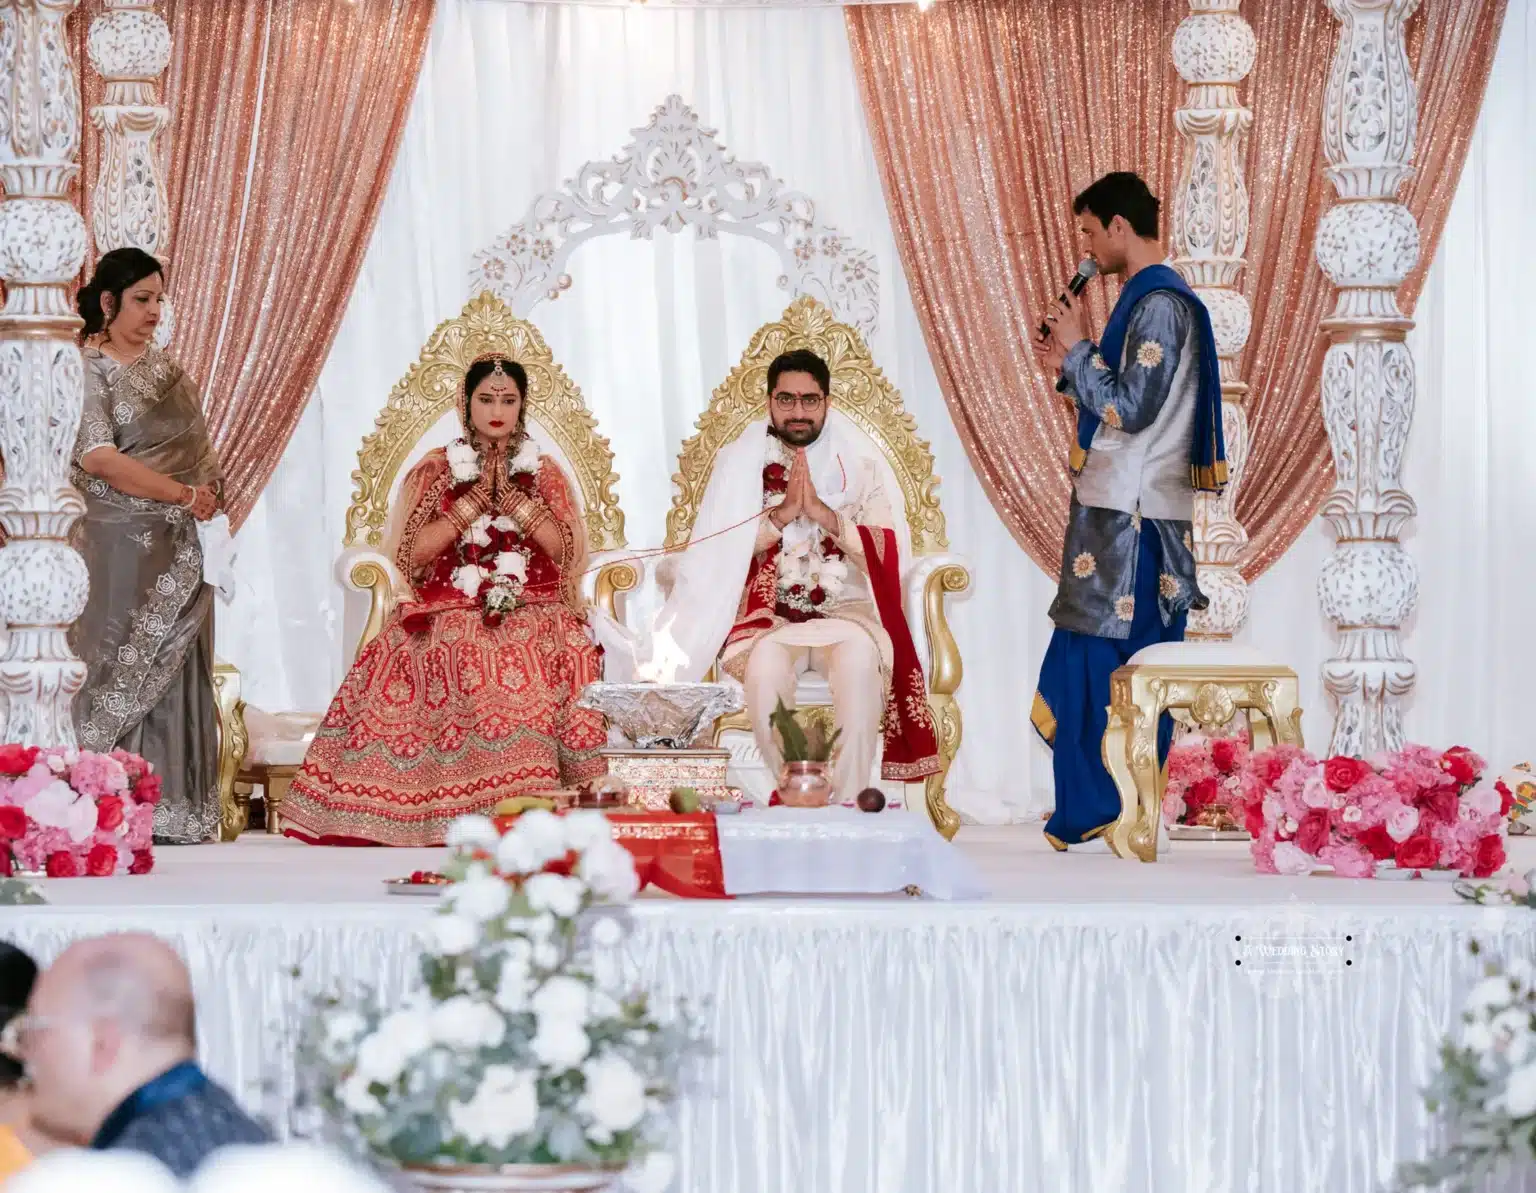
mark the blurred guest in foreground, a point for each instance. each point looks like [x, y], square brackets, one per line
[20, 1140]
[109, 1041]
[149, 473]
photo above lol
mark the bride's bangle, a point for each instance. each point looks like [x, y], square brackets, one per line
[190, 498]
[462, 513]
[535, 518]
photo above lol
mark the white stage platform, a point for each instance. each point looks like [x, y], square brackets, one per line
[1086, 1029]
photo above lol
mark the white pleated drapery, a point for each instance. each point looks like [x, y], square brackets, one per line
[928, 1048]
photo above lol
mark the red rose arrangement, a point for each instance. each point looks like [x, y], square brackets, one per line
[1204, 784]
[70, 813]
[1412, 810]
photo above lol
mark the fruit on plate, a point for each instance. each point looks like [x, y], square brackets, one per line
[428, 878]
[871, 799]
[684, 801]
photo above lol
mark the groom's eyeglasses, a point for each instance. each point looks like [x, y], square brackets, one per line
[786, 403]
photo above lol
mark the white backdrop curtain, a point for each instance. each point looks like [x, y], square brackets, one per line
[514, 97]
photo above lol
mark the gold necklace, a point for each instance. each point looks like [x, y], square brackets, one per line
[109, 349]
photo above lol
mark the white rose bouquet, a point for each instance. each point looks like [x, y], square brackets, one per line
[1485, 1092]
[521, 1046]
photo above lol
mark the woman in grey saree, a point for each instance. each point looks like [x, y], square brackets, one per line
[147, 468]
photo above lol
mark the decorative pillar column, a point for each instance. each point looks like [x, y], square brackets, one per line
[1214, 49]
[1367, 243]
[130, 47]
[43, 581]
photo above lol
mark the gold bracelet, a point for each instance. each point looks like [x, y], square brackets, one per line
[462, 514]
[540, 516]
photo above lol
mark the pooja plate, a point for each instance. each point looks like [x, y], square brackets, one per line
[405, 886]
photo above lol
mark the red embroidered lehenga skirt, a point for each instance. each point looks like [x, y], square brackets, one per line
[436, 723]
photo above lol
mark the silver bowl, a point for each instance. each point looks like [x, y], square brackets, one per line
[667, 716]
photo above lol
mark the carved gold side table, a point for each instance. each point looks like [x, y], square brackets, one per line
[1211, 683]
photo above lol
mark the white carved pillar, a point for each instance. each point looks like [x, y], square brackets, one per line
[1367, 243]
[1214, 49]
[43, 582]
[130, 47]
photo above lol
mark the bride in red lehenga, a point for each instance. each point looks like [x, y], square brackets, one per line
[468, 694]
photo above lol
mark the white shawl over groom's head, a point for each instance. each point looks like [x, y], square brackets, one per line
[707, 578]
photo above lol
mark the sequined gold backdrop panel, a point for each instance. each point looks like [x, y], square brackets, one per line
[285, 117]
[987, 116]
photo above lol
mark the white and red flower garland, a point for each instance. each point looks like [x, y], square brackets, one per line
[811, 569]
[70, 813]
[1415, 809]
[493, 562]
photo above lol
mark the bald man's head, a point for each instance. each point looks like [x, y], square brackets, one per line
[107, 1016]
[141, 982]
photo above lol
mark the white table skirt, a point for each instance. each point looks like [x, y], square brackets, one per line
[841, 851]
[940, 1048]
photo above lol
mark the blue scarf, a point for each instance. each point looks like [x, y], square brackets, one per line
[1208, 453]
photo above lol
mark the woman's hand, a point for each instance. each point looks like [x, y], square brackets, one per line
[205, 503]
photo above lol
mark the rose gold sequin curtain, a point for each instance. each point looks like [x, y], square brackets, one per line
[987, 118]
[285, 119]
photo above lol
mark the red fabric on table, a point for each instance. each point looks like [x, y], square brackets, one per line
[674, 853]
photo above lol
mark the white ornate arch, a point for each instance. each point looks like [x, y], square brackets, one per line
[674, 175]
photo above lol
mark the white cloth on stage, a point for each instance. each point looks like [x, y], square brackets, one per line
[841, 851]
[219, 555]
[845, 654]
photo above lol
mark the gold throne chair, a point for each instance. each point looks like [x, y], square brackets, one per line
[864, 402]
[420, 414]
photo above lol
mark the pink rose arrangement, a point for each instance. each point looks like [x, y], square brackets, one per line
[1204, 785]
[71, 813]
[1414, 809]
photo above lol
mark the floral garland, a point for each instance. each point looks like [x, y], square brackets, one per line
[1412, 810]
[812, 571]
[493, 559]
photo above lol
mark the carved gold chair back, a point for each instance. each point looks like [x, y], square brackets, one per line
[422, 413]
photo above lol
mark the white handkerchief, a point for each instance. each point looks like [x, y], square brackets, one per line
[218, 555]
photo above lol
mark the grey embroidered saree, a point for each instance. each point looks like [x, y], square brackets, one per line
[146, 636]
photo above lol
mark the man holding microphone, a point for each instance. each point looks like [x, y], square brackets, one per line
[1148, 400]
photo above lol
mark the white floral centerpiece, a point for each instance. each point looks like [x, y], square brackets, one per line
[521, 1063]
[1485, 1092]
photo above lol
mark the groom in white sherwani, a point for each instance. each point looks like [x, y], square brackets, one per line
[794, 566]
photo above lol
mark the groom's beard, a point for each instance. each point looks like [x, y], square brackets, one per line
[797, 434]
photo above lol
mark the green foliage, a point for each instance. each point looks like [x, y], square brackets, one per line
[801, 743]
[16, 892]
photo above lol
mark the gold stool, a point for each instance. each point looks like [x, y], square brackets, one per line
[1212, 683]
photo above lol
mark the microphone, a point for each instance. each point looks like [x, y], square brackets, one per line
[1086, 269]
